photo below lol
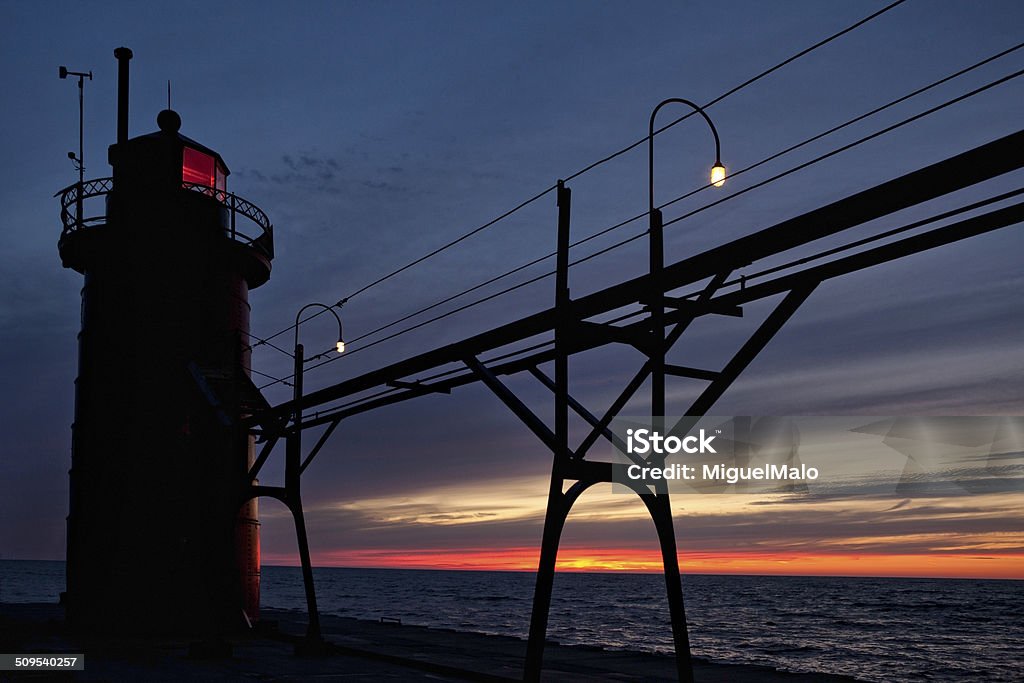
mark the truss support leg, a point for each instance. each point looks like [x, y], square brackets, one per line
[554, 521]
[661, 512]
[293, 493]
[559, 505]
[313, 630]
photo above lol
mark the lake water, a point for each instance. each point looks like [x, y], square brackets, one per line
[874, 629]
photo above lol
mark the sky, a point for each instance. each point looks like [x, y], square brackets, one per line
[372, 133]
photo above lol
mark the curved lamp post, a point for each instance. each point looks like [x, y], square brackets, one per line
[656, 355]
[300, 360]
[340, 345]
[658, 248]
[292, 469]
[717, 170]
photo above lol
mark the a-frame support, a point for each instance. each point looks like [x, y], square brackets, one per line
[291, 495]
[569, 467]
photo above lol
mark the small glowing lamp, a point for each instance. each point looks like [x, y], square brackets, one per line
[718, 174]
[340, 346]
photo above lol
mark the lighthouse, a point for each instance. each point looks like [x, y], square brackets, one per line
[161, 536]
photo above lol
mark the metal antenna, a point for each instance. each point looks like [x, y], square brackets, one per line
[168, 93]
[78, 161]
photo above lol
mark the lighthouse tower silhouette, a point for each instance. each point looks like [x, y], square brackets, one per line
[158, 536]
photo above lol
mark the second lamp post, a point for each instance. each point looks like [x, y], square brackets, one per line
[657, 250]
[293, 469]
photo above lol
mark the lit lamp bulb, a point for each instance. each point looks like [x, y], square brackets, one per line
[718, 174]
[340, 346]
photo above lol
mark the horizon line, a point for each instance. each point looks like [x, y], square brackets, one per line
[620, 572]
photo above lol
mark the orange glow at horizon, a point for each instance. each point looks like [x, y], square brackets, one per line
[947, 565]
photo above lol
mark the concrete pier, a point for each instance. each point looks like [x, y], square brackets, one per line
[358, 650]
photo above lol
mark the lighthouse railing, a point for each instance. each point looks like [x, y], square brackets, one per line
[73, 199]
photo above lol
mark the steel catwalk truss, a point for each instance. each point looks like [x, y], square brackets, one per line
[568, 328]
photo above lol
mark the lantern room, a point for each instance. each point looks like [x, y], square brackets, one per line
[200, 168]
[169, 158]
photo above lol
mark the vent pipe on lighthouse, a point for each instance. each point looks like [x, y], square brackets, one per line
[123, 55]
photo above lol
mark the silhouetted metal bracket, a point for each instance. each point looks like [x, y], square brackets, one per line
[272, 441]
[319, 444]
[268, 446]
[250, 398]
[520, 409]
[640, 339]
[580, 409]
[750, 349]
[280, 493]
[697, 308]
[682, 322]
[419, 387]
[692, 373]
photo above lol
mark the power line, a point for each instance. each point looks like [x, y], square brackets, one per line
[590, 167]
[698, 210]
[263, 374]
[704, 187]
[449, 244]
[415, 262]
[853, 144]
[742, 85]
[621, 243]
[263, 342]
[627, 221]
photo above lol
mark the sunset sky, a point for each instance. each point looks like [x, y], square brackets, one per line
[372, 133]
